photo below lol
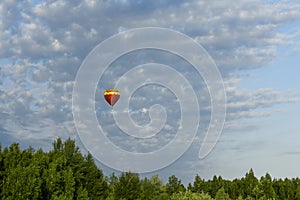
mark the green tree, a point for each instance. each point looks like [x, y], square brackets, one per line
[257, 191]
[289, 191]
[65, 174]
[189, 195]
[57, 145]
[248, 184]
[222, 195]
[267, 186]
[174, 185]
[74, 160]
[82, 194]
[22, 183]
[233, 190]
[112, 181]
[198, 185]
[152, 188]
[93, 179]
[69, 183]
[53, 178]
[297, 196]
[12, 156]
[128, 186]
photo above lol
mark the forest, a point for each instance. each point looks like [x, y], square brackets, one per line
[65, 173]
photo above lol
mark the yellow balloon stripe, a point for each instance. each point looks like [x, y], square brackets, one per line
[112, 93]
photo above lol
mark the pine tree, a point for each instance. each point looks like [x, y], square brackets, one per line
[93, 179]
[128, 186]
[267, 186]
[198, 185]
[174, 185]
[152, 188]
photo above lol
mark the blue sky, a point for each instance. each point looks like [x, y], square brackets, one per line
[255, 44]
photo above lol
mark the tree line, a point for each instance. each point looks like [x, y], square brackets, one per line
[64, 173]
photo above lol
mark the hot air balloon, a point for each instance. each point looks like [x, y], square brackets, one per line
[111, 96]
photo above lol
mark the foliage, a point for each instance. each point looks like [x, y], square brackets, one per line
[188, 195]
[174, 185]
[64, 173]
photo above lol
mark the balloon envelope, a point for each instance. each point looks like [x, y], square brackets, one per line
[112, 96]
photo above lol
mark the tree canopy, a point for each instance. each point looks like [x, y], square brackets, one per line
[64, 173]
